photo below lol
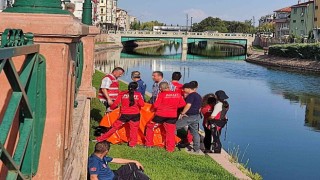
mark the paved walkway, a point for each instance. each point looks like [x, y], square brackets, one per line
[224, 160]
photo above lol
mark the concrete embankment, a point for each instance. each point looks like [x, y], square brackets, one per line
[285, 63]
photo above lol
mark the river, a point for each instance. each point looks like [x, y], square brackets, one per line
[274, 117]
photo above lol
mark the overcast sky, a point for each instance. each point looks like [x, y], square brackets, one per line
[174, 11]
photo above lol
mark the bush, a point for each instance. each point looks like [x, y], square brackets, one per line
[301, 51]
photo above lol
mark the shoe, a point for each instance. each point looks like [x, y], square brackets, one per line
[217, 151]
[207, 151]
[196, 152]
[183, 145]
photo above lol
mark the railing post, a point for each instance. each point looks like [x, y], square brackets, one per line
[87, 12]
[37, 6]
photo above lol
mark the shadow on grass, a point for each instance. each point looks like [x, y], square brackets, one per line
[96, 115]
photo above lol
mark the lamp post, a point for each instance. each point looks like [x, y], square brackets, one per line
[39, 6]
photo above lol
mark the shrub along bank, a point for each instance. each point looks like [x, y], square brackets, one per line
[300, 51]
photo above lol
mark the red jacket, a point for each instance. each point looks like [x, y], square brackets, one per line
[167, 104]
[206, 111]
[178, 87]
[123, 99]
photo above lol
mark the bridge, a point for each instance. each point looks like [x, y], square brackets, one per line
[243, 39]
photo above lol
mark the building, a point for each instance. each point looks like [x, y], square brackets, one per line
[121, 19]
[282, 22]
[107, 14]
[266, 19]
[130, 21]
[302, 19]
[316, 28]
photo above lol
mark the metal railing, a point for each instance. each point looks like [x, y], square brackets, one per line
[78, 69]
[26, 105]
[183, 33]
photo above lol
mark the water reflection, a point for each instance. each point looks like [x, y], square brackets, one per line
[196, 50]
[212, 48]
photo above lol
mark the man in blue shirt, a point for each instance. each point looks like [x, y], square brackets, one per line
[135, 76]
[98, 163]
[190, 115]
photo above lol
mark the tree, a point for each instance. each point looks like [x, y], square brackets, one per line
[210, 24]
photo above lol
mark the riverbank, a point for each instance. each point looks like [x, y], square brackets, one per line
[284, 63]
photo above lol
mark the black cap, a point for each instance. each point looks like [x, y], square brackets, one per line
[221, 95]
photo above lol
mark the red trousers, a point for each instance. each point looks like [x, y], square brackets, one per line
[170, 135]
[134, 126]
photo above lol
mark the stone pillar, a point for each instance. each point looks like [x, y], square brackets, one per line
[57, 35]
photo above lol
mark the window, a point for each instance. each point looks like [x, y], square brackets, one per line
[295, 11]
[101, 10]
[101, 1]
[315, 19]
[294, 21]
[316, 7]
[302, 21]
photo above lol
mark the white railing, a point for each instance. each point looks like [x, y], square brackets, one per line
[183, 33]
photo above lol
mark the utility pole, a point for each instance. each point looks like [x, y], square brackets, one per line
[187, 23]
[191, 25]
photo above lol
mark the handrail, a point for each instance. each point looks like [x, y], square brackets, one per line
[26, 104]
[78, 69]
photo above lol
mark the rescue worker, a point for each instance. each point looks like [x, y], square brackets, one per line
[109, 88]
[131, 102]
[135, 76]
[190, 115]
[208, 102]
[176, 76]
[157, 77]
[218, 119]
[165, 107]
[98, 163]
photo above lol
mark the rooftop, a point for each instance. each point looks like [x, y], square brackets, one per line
[286, 9]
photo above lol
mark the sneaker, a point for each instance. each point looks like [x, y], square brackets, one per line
[207, 151]
[196, 152]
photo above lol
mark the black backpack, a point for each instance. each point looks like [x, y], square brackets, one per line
[130, 172]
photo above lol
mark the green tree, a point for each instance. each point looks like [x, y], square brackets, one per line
[210, 24]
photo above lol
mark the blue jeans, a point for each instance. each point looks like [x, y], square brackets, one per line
[192, 122]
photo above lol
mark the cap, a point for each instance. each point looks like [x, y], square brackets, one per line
[135, 74]
[221, 95]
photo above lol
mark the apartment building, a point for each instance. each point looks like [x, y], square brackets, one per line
[316, 20]
[122, 16]
[282, 22]
[266, 19]
[107, 14]
[302, 19]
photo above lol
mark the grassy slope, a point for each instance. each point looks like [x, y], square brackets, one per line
[158, 163]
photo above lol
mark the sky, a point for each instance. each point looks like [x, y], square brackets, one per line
[175, 11]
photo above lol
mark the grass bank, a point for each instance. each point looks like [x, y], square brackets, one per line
[158, 163]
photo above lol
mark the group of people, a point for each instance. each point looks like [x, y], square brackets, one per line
[176, 106]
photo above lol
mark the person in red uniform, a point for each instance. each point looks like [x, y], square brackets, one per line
[109, 89]
[218, 119]
[208, 102]
[131, 102]
[165, 106]
[176, 76]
